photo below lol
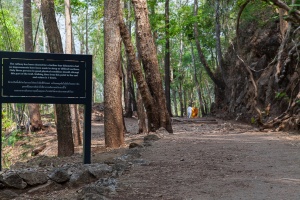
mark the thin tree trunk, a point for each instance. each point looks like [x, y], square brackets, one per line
[197, 83]
[141, 114]
[34, 111]
[218, 41]
[27, 25]
[69, 49]
[64, 128]
[181, 77]
[175, 102]
[153, 13]
[134, 103]
[128, 96]
[167, 58]
[184, 101]
[86, 30]
[180, 94]
[68, 25]
[75, 124]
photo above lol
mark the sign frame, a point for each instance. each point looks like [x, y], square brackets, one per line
[44, 97]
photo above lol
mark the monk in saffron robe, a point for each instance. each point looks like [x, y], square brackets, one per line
[194, 112]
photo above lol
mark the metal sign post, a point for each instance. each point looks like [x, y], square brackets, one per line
[48, 78]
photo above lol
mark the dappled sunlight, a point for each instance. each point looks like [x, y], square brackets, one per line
[288, 180]
[98, 124]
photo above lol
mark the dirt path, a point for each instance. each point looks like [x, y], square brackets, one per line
[224, 161]
[200, 161]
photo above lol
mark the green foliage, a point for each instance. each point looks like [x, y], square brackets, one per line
[12, 138]
[281, 95]
[6, 122]
[11, 28]
[76, 5]
[294, 8]
[258, 12]
[6, 160]
[295, 5]
[253, 120]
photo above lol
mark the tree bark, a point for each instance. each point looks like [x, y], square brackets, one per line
[141, 114]
[64, 128]
[34, 111]
[68, 25]
[147, 51]
[27, 25]
[167, 57]
[197, 84]
[128, 87]
[76, 127]
[175, 102]
[152, 112]
[74, 114]
[218, 41]
[64, 131]
[113, 120]
[180, 94]
[35, 117]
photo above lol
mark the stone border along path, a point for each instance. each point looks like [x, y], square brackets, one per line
[14, 183]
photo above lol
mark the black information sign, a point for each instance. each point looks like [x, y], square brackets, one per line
[48, 78]
[43, 78]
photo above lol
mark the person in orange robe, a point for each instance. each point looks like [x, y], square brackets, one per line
[194, 112]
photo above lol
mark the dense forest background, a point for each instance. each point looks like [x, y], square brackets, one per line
[237, 59]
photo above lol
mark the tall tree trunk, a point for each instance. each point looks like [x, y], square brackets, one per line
[86, 30]
[113, 120]
[76, 127]
[175, 102]
[128, 95]
[200, 52]
[197, 83]
[218, 41]
[64, 128]
[68, 26]
[27, 25]
[151, 108]
[64, 131]
[34, 109]
[180, 94]
[167, 57]
[141, 114]
[152, 12]
[74, 113]
[147, 51]
[133, 93]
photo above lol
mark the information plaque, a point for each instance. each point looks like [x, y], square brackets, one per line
[48, 78]
[43, 78]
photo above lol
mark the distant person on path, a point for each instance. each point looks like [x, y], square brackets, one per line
[189, 111]
[194, 112]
